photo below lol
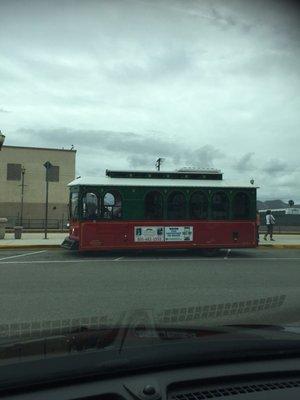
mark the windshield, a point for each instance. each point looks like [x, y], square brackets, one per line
[149, 173]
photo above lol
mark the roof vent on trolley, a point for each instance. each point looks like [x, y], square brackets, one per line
[184, 173]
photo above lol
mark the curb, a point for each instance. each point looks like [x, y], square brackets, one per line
[58, 246]
[280, 246]
[30, 246]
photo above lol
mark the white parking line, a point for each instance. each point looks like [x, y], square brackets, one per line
[118, 259]
[152, 260]
[23, 255]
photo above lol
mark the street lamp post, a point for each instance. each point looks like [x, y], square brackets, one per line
[23, 170]
[47, 165]
[3, 221]
[2, 138]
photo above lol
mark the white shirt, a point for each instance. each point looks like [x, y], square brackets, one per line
[270, 220]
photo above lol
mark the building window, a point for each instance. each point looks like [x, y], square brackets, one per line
[154, 205]
[14, 172]
[241, 206]
[90, 206]
[53, 174]
[220, 206]
[112, 205]
[198, 206]
[176, 206]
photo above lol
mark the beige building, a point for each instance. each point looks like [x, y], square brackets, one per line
[23, 168]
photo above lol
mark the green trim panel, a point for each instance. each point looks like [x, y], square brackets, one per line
[133, 198]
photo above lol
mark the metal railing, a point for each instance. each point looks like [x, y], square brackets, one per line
[36, 223]
[281, 229]
[61, 224]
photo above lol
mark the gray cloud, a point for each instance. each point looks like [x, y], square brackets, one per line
[2, 110]
[270, 63]
[276, 167]
[164, 61]
[245, 163]
[141, 161]
[101, 149]
[138, 150]
[204, 156]
[228, 19]
[196, 82]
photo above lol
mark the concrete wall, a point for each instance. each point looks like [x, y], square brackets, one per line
[35, 210]
[32, 159]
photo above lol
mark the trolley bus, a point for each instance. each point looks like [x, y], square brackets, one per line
[161, 210]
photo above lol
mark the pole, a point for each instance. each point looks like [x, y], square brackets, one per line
[47, 165]
[158, 162]
[22, 196]
[46, 207]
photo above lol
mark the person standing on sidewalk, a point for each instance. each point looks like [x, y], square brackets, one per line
[270, 221]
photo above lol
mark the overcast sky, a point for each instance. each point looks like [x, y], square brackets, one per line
[212, 83]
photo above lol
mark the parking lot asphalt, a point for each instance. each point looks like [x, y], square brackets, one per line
[31, 240]
[236, 286]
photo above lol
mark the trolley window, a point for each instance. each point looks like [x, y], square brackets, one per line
[90, 206]
[198, 206]
[154, 205]
[112, 205]
[241, 205]
[176, 206]
[74, 205]
[220, 206]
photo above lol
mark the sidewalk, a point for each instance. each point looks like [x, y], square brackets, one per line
[281, 241]
[32, 240]
[36, 240]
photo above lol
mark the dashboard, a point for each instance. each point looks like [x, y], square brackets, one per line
[266, 379]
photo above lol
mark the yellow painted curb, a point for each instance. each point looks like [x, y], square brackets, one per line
[281, 246]
[58, 246]
[30, 246]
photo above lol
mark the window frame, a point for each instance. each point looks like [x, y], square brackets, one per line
[174, 192]
[112, 192]
[99, 204]
[214, 193]
[161, 217]
[195, 192]
[71, 217]
[248, 215]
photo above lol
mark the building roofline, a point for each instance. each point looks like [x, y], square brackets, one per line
[38, 148]
[161, 183]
